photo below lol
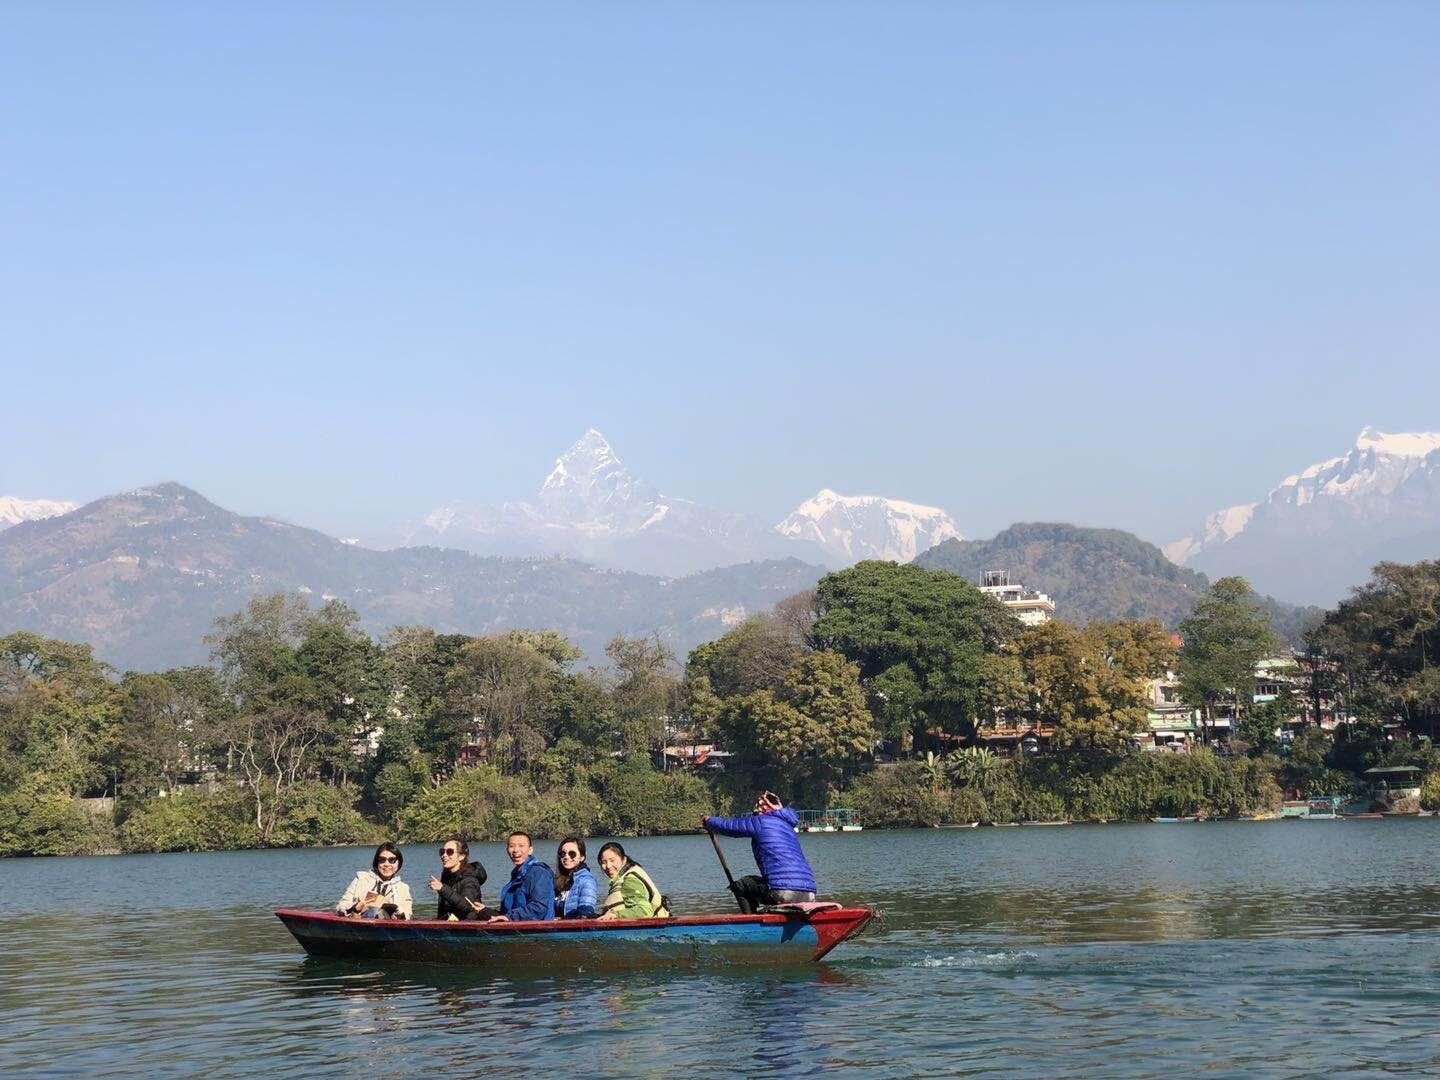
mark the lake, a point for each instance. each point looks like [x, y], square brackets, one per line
[1242, 948]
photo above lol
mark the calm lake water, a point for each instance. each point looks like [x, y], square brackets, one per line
[1274, 948]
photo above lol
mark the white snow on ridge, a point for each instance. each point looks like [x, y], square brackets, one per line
[14, 510]
[1407, 444]
[1366, 476]
[1219, 527]
[854, 527]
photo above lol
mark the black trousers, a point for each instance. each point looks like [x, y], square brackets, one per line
[753, 894]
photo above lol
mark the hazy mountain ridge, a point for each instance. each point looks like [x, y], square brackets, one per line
[1317, 533]
[142, 575]
[591, 507]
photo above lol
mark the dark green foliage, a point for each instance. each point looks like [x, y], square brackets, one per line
[41, 819]
[1090, 573]
[1384, 643]
[1222, 641]
[614, 798]
[321, 815]
[933, 625]
[1135, 787]
[196, 821]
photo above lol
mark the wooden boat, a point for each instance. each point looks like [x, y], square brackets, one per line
[799, 933]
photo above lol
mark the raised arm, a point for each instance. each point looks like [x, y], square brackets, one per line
[749, 825]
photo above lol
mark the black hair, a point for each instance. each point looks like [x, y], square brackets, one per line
[521, 832]
[612, 846]
[565, 878]
[394, 850]
[460, 845]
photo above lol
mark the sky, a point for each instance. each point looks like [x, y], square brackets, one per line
[1115, 264]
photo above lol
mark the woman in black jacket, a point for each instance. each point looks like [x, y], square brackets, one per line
[458, 887]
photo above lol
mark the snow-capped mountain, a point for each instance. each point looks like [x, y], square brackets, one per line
[591, 507]
[14, 510]
[1318, 532]
[854, 527]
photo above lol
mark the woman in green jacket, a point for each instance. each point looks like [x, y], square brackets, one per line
[632, 894]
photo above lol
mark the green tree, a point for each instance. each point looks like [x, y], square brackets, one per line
[58, 716]
[506, 683]
[810, 733]
[645, 692]
[1222, 641]
[345, 685]
[1385, 640]
[879, 615]
[1091, 682]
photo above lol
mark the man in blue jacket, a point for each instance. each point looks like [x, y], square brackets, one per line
[530, 892]
[785, 876]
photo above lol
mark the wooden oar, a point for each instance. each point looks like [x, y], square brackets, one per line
[726, 867]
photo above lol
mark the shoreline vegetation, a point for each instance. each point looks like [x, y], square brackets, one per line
[882, 689]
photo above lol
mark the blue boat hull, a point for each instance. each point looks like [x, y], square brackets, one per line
[698, 940]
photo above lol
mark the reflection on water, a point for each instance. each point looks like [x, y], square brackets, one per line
[1128, 950]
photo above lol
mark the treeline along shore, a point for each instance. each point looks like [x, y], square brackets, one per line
[887, 688]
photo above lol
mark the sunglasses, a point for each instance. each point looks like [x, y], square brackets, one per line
[570, 854]
[388, 858]
[449, 851]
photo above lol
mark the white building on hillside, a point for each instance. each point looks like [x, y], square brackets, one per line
[1029, 606]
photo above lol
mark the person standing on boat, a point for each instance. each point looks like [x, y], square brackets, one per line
[576, 891]
[785, 876]
[530, 892]
[378, 893]
[457, 889]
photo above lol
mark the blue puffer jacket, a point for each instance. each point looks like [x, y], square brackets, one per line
[582, 898]
[530, 892]
[777, 851]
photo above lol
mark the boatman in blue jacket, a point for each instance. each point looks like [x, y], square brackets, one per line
[785, 876]
[530, 892]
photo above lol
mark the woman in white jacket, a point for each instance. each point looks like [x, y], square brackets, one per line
[378, 893]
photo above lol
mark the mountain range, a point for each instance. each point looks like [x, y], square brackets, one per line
[142, 576]
[1317, 532]
[14, 510]
[591, 507]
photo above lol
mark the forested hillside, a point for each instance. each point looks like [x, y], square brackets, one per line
[1094, 573]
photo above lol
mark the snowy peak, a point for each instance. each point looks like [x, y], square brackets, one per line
[1410, 444]
[854, 527]
[1378, 500]
[589, 460]
[1218, 528]
[14, 510]
[589, 487]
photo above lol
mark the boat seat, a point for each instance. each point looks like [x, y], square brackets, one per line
[804, 907]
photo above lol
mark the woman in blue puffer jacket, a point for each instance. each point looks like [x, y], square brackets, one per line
[576, 891]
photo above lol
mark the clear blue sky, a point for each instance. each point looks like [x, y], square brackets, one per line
[1118, 264]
